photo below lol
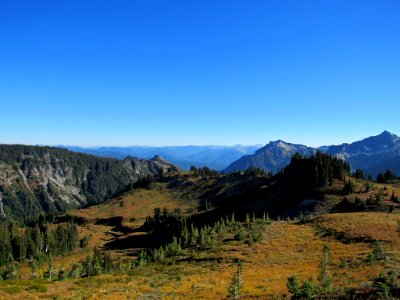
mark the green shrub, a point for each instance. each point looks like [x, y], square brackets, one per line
[378, 253]
[382, 291]
[293, 286]
[393, 277]
[343, 263]
[83, 243]
[37, 288]
[13, 289]
[240, 235]
[308, 290]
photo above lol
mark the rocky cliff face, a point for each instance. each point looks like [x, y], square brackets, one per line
[43, 179]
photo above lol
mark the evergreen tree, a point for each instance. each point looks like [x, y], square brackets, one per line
[325, 281]
[18, 247]
[50, 244]
[11, 271]
[358, 174]
[386, 177]
[293, 286]
[50, 273]
[87, 266]
[31, 247]
[236, 283]
[5, 244]
[107, 262]
[348, 188]
[96, 264]
[34, 269]
[75, 271]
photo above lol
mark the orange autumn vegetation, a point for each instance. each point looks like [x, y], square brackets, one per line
[287, 248]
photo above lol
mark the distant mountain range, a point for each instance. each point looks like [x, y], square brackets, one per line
[214, 157]
[272, 157]
[373, 155]
[37, 179]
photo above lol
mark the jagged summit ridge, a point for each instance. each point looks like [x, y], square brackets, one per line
[272, 157]
[373, 154]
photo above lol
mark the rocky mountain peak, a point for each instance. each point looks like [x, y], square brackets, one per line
[373, 154]
[384, 137]
[159, 158]
[272, 157]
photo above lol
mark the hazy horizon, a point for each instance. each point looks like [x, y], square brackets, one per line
[194, 145]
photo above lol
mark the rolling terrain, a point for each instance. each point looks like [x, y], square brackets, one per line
[359, 227]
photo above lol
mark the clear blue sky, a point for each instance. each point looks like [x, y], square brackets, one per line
[198, 72]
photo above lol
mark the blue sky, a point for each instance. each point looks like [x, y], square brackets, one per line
[198, 72]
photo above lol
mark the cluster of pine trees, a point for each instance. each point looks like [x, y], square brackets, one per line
[320, 169]
[251, 171]
[305, 174]
[386, 177]
[165, 224]
[206, 237]
[99, 263]
[203, 171]
[35, 243]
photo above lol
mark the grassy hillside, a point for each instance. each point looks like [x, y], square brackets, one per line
[288, 248]
[282, 249]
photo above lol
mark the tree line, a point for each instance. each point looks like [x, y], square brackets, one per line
[305, 174]
[386, 177]
[35, 243]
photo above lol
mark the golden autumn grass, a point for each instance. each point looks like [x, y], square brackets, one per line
[288, 248]
[137, 204]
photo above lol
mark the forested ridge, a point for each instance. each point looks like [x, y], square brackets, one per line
[36, 180]
[36, 243]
